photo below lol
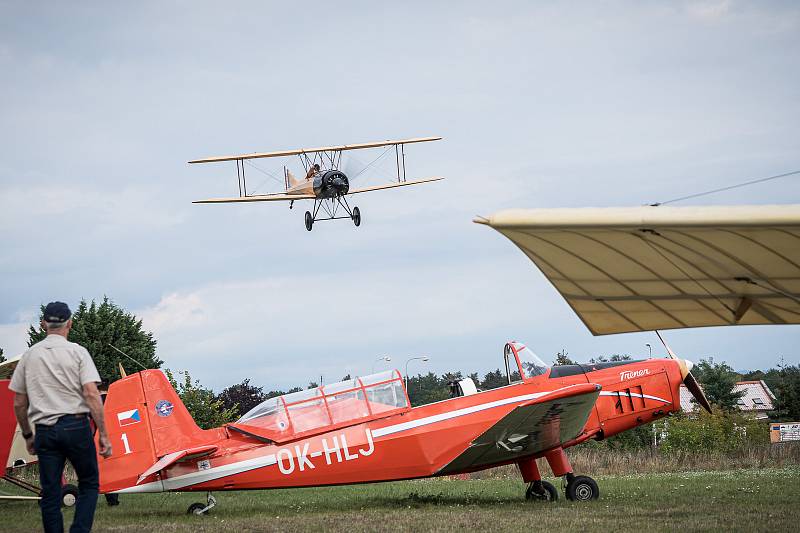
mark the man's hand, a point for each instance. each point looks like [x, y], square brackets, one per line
[105, 446]
[29, 445]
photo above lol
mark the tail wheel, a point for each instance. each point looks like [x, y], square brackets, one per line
[69, 494]
[356, 216]
[582, 489]
[546, 492]
[196, 509]
[309, 221]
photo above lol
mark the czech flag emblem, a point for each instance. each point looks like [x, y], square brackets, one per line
[126, 418]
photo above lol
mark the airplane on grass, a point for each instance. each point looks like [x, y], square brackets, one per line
[364, 430]
[325, 181]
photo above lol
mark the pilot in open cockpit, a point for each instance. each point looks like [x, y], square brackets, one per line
[313, 169]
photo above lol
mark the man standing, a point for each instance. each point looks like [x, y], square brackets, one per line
[56, 389]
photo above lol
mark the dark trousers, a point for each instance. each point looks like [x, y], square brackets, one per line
[70, 438]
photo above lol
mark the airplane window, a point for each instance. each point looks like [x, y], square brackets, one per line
[532, 365]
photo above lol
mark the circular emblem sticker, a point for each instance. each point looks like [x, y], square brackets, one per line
[164, 408]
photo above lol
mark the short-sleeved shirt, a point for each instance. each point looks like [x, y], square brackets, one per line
[52, 373]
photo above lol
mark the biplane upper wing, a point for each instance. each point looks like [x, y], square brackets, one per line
[279, 197]
[648, 268]
[393, 185]
[343, 147]
[532, 427]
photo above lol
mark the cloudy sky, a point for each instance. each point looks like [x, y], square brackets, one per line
[540, 105]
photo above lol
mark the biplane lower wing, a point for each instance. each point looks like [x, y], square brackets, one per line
[532, 427]
[257, 198]
[393, 185]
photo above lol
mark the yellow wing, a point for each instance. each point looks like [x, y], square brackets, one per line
[280, 197]
[393, 185]
[343, 147]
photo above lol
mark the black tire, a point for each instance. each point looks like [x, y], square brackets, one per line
[69, 494]
[356, 217]
[196, 509]
[582, 489]
[309, 221]
[548, 493]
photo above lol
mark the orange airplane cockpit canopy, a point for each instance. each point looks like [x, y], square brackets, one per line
[326, 407]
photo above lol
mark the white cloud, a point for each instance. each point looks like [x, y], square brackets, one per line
[708, 10]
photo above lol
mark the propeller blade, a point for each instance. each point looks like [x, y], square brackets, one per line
[697, 392]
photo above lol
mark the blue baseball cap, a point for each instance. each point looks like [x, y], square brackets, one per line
[57, 312]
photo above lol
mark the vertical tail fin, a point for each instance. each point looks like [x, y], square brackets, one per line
[146, 420]
[291, 181]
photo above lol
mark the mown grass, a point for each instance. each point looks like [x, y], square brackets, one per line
[736, 500]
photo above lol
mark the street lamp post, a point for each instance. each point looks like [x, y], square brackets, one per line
[381, 358]
[423, 359]
[651, 350]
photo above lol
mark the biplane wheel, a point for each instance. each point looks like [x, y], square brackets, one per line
[547, 492]
[356, 216]
[197, 509]
[582, 489]
[69, 494]
[309, 221]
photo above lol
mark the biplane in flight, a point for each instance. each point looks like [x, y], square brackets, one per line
[324, 182]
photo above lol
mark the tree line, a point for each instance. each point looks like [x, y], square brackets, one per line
[113, 337]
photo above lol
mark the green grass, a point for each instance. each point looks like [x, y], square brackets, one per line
[754, 499]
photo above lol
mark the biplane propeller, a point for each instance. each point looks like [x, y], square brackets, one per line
[325, 181]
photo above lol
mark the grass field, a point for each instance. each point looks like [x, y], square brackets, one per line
[739, 500]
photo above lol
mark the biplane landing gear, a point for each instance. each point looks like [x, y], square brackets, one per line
[202, 508]
[330, 211]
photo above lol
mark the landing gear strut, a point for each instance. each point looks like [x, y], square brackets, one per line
[576, 488]
[202, 508]
[331, 207]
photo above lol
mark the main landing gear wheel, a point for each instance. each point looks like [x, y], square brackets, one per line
[69, 494]
[197, 509]
[582, 489]
[309, 221]
[356, 217]
[202, 509]
[545, 492]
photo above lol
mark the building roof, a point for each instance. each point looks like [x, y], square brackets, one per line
[757, 397]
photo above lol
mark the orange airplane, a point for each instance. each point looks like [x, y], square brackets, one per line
[325, 181]
[364, 430]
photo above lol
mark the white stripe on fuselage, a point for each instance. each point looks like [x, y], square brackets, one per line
[193, 478]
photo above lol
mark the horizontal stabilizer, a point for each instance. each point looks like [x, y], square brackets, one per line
[174, 457]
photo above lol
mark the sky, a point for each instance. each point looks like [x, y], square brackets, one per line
[540, 104]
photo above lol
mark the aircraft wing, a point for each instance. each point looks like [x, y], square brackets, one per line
[647, 268]
[279, 197]
[532, 427]
[7, 367]
[393, 185]
[343, 147]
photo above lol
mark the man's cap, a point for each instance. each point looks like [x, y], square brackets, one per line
[57, 312]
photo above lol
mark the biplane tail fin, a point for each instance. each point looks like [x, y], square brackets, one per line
[146, 420]
[291, 181]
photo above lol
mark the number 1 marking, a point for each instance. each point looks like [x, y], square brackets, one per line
[125, 442]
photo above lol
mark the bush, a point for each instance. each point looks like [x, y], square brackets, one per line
[718, 432]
